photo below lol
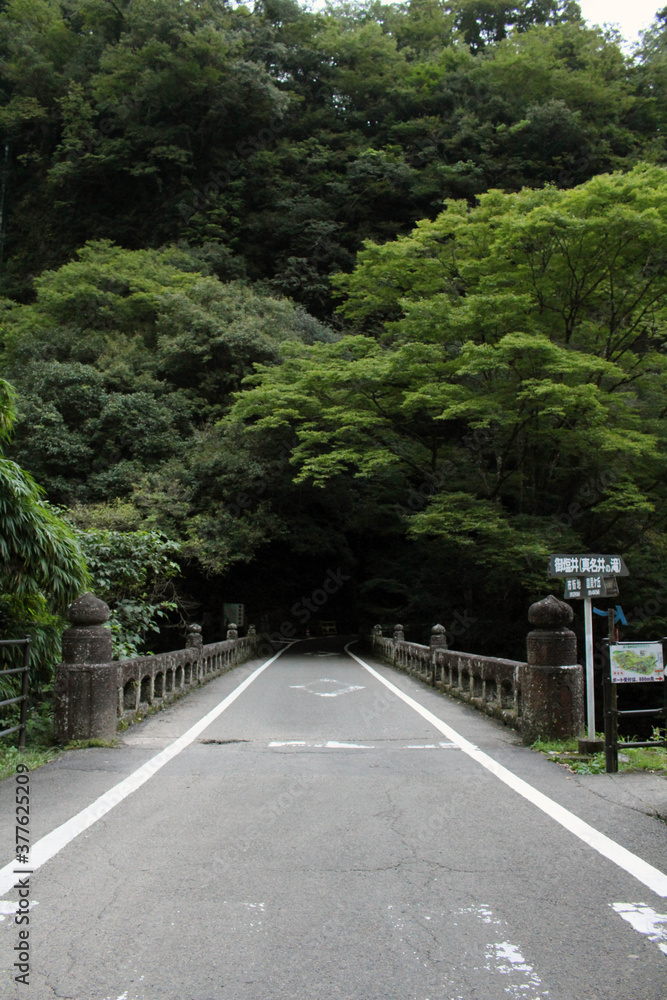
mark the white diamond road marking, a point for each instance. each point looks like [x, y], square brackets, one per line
[311, 688]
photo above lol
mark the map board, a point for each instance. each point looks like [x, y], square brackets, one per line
[636, 662]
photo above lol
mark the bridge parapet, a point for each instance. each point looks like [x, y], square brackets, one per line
[150, 681]
[93, 694]
[541, 697]
[489, 683]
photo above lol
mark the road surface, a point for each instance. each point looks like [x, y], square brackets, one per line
[320, 839]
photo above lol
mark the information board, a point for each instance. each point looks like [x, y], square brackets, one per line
[233, 613]
[636, 662]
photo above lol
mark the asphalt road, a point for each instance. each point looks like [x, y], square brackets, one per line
[321, 840]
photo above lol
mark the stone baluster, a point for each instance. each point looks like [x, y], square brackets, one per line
[438, 637]
[195, 642]
[193, 639]
[437, 641]
[252, 636]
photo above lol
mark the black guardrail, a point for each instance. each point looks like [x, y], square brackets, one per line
[23, 697]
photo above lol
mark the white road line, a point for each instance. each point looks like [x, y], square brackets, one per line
[651, 877]
[334, 745]
[646, 921]
[49, 845]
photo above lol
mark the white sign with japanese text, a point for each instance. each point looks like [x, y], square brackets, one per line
[583, 565]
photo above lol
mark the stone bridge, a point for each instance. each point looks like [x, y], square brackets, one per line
[542, 696]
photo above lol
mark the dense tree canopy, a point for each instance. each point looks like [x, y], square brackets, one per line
[431, 237]
[286, 137]
[124, 356]
[518, 358]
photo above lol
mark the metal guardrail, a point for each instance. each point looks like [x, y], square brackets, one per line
[23, 697]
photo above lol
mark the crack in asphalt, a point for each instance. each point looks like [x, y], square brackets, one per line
[645, 810]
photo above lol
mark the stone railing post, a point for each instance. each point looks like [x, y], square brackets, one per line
[85, 687]
[437, 641]
[552, 682]
[438, 637]
[398, 636]
[232, 631]
[195, 642]
[193, 639]
[252, 636]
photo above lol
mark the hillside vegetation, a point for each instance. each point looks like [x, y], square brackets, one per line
[377, 289]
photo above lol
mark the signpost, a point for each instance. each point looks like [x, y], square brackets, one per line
[587, 576]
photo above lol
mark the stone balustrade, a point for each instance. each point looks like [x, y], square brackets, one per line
[541, 697]
[155, 680]
[487, 682]
[93, 693]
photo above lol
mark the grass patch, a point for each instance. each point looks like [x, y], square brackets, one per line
[556, 746]
[650, 759]
[34, 757]
[85, 744]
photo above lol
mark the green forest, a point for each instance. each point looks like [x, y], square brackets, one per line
[377, 291]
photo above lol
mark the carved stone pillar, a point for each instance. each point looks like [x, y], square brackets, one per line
[552, 682]
[438, 637]
[193, 639]
[86, 682]
[438, 640]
